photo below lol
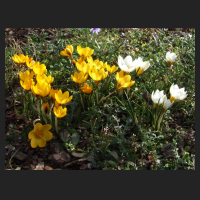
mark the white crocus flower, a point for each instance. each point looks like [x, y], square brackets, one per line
[127, 65]
[176, 93]
[167, 104]
[158, 97]
[170, 57]
[140, 65]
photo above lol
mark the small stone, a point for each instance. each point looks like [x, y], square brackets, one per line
[9, 148]
[60, 158]
[20, 156]
[48, 168]
[77, 155]
[18, 168]
[40, 166]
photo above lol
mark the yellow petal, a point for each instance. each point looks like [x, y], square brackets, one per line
[66, 95]
[47, 135]
[34, 142]
[41, 142]
[31, 134]
[63, 53]
[37, 126]
[46, 127]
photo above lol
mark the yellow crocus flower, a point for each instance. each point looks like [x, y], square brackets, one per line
[39, 69]
[83, 67]
[44, 78]
[97, 63]
[123, 81]
[40, 135]
[42, 89]
[68, 51]
[97, 75]
[112, 69]
[87, 89]
[119, 74]
[84, 53]
[27, 83]
[26, 74]
[79, 77]
[59, 112]
[63, 98]
[21, 58]
[16, 58]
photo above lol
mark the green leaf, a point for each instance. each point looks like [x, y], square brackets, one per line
[114, 154]
[187, 148]
[112, 162]
[75, 138]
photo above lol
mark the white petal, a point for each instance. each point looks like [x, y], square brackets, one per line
[128, 61]
[132, 69]
[124, 68]
[140, 59]
[120, 60]
[145, 65]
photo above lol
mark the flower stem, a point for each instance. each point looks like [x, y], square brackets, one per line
[72, 65]
[56, 124]
[38, 108]
[50, 117]
[121, 91]
[43, 112]
[159, 120]
[128, 90]
[81, 99]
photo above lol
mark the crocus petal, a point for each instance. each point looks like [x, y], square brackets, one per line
[47, 135]
[41, 142]
[33, 142]
[37, 126]
[31, 134]
[46, 127]
[66, 95]
[128, 60]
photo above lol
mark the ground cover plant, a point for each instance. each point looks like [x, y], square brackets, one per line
[100, 98]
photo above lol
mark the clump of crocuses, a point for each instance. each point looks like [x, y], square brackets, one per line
[162, 103]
